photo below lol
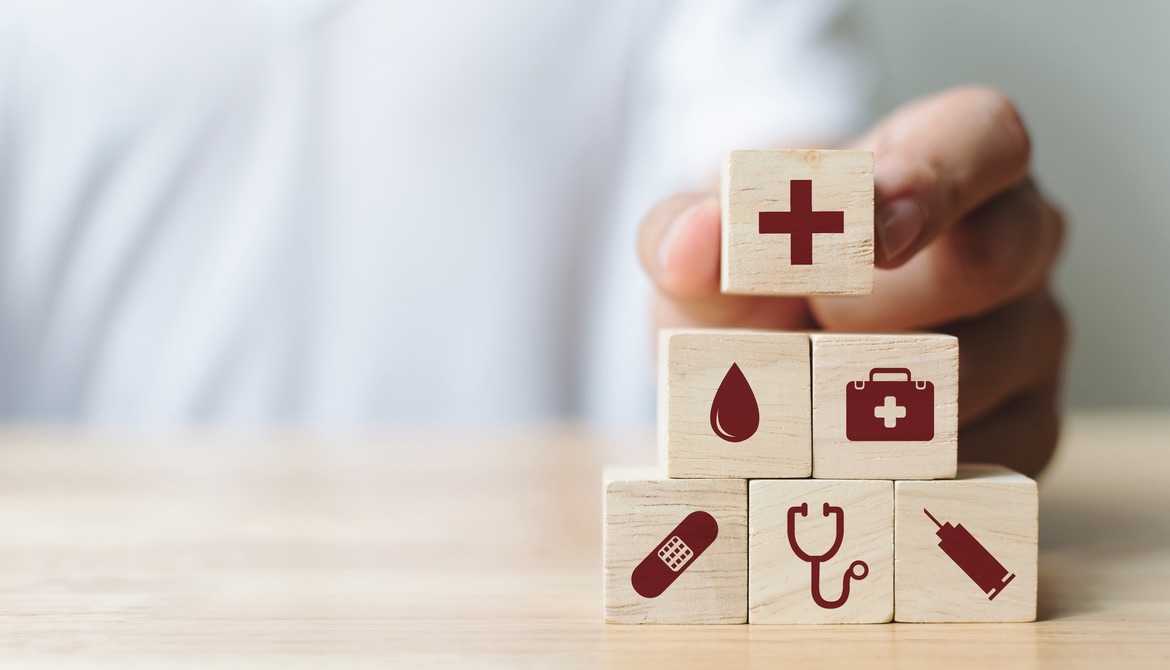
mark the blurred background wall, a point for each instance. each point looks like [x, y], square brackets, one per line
[1093, 82]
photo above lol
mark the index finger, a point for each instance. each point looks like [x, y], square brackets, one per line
[938, 159]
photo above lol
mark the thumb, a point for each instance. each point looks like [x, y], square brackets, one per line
[678, 245]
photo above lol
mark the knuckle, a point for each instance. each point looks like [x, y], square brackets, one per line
[1057, 331]
[1039, 412]
[986, 267]
[1004, 249]
[1059, 224]
[1044, 339]
[1048, 429]
[1043, 408]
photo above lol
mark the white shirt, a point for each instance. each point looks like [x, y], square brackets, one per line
[334, 212]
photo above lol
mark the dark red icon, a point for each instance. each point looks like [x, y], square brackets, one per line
[735, 416]
[816, 561]
[801, 222]
[881, 411]
[677, 552]
[967, 553]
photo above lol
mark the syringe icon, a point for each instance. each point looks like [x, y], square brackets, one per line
[983, 569]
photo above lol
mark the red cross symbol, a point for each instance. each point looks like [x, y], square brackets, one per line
[890, 412]
[801, 222]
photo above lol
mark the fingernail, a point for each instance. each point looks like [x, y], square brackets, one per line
[674, 230]
[899, 225]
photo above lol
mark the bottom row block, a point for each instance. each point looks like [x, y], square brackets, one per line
[966, 550]
[820, 551]
[675, 549]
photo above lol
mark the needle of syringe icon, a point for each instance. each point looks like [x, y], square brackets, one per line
[932, 517]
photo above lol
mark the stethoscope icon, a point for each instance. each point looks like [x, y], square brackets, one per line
[815, 561]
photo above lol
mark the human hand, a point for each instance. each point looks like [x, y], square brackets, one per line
[965, 244]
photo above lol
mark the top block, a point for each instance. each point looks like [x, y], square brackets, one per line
[798, 222]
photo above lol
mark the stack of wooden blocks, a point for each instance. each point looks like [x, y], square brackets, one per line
[812, 477]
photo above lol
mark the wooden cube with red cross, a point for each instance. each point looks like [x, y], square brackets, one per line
[798, 223]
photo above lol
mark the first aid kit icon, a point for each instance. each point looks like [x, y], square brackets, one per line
[889, 410]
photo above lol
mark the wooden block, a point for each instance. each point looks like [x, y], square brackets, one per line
[850, 524]
[734, 403]
[675, 549]
[885, 406]
[798, 222]
[965, 549]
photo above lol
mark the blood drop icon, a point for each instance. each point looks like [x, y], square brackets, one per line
[735, 416]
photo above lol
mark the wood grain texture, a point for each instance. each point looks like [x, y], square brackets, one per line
[481, 547]
[756, 181]
[642, 509]
[779, 580]
[841, 360]
[993, 505]
[693, 364]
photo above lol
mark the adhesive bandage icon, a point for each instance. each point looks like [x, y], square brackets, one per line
[674, 554]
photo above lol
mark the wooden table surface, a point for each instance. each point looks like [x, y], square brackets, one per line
[482, 548]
